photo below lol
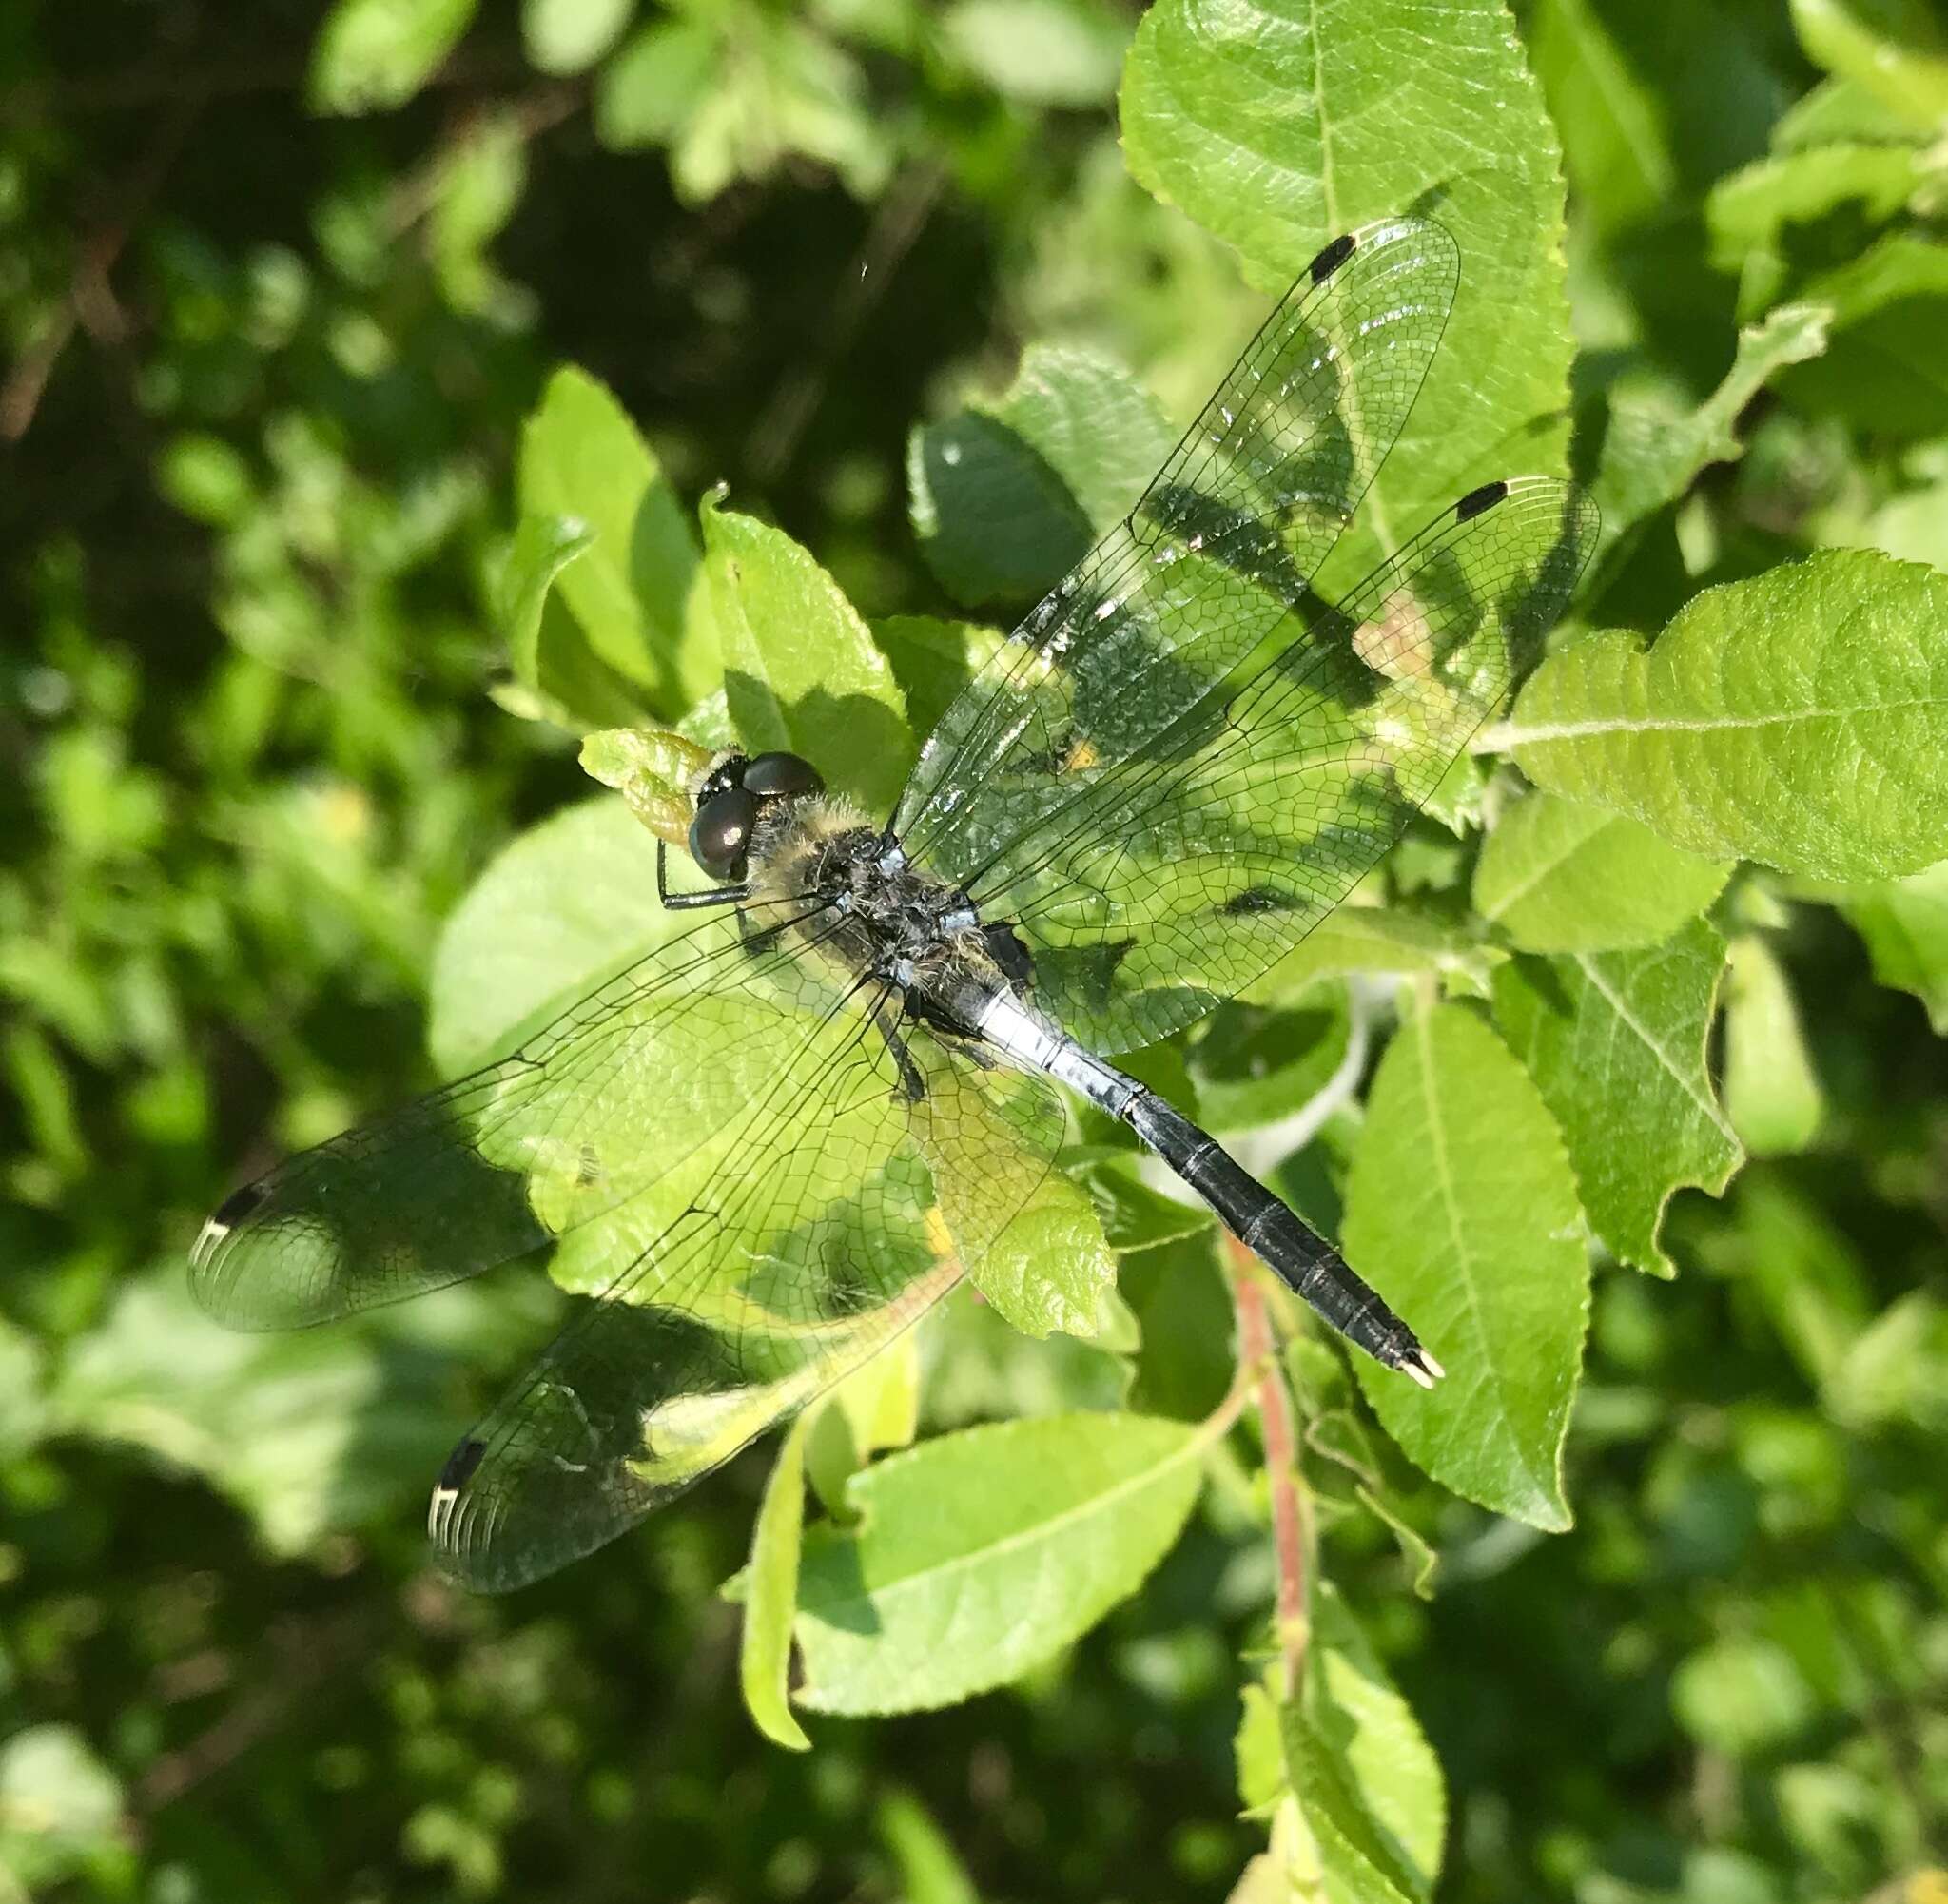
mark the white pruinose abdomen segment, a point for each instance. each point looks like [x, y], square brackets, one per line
[1028, 1040]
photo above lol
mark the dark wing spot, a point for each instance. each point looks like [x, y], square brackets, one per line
[459, 1466]
[1262, 898]
[238, 1205]
[1477, 501]
[1330, 260]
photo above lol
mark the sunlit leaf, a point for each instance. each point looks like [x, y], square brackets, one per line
[770, 1594]
[1800, 718]
[1905, 925]
[1895, 51]
[1005, 498]
[1557, 877]
[374, 54]
[1616, 1044]
[979, 1554]
[1658, 441]
[1616, 142]
[801, 669]
[568, 903]
[565, 37]
[584, 463]
[1771, 1091]
[1462, 1212]
[1280, 129]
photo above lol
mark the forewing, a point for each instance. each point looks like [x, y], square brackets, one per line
[1222, 545]
[806, 1237]
[1156, 885]
[585, 1116]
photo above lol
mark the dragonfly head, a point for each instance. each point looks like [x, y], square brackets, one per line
[732, 798]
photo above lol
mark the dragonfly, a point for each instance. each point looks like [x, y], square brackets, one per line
[776, 1139]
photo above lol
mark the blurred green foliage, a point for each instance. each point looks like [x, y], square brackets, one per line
[285, 298]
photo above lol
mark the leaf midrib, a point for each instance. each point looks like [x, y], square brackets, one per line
[1513, 736]
[1444, 1178]
[1623, 1011]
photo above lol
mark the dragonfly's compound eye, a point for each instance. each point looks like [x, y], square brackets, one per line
[720, 834]
[773, 776]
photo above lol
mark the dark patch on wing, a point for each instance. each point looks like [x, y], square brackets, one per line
[1263, 899]
[1478, 501]
[238, 1204]
[1331, 257]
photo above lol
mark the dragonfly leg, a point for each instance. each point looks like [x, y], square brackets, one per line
[911, 1080]
[685, 902]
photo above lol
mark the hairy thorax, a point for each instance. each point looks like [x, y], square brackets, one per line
[869, 909]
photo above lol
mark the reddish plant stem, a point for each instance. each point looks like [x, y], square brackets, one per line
[1256, 1349]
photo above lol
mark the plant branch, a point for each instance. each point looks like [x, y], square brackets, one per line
[1288, 1517]
[90, 302]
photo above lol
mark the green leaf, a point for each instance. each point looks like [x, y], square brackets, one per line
[1358, 939]
[734, 94]
[372, 55]
[1883, 370]
[1557, 877]
[981, 1554]
[1740, 1696]
[1840, 112]
[60, 1808]
[23, 1406]
[1050, 1268]
[1351, 1753]
[1905, 925]
[568, 36]
[1357, 1710]
[1750, 212]
[1800, 718]
[1805, 1274]
[547, 649]
[565, 906]
[1616, 1043]
[770, 1595]
[1894, 50]
[477, 189]
[1422, 1560]
[932, 660]
[930, 1871]
[800, 667]
[1771, 1090]
[1135, 1215]
[1910, 525]
[1358, 1858]
[1252, 1066]
[1616, 147]
[875, 1407]
[654, 770]
[583, 461]
[1181, 1302]
[1657, 443]
[1895, 1370]
[649, 91]
[309, 1433]
[1044, 53]
[1006, 497]
[1462, 1211]
[1278, 128]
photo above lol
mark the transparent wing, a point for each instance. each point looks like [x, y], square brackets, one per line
[620, 1089]
[801, 1242]
[1220, 547]
[1149, 888]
